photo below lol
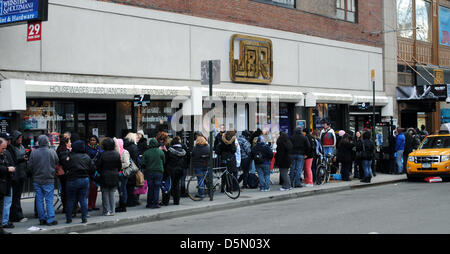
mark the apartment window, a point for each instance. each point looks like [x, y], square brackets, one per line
[405, 18]
[423, 20]
[283, 3]
[346, 10]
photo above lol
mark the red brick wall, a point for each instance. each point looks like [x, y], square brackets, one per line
[265, 15]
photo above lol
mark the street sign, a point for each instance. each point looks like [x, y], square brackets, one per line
[34, 31]
[141, 100]
[14, 11]
[205, 72]
[372, 75]
[363, 105]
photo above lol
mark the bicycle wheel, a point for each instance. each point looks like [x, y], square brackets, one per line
[232, 189]
[193, 187]
[321, 175]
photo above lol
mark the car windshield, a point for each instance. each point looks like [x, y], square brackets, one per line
[436, 142]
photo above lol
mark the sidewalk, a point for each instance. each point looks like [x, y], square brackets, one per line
[140, 214]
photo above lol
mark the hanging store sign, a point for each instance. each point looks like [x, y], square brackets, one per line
[13, 11]
[255, 59]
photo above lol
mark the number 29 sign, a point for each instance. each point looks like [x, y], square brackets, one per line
[34, 31]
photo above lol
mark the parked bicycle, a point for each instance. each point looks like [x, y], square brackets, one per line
[221, 177]
[323, 171]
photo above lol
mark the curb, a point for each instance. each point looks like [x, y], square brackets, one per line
[94, 226]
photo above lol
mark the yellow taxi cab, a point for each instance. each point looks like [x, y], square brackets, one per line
[432, 158]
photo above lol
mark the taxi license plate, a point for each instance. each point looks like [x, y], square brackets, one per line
[426, 165]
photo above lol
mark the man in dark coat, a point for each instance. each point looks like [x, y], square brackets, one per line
[300, 147]
[20, 158]
[6, 169]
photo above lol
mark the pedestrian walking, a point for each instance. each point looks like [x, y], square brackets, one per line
[344, 156]
[309, 153]
[399, 148]
[9, 153]
[78, 167]
[174, 168]
[108, 166]
[283, 160]
[20, 158]
[200, 160]
[367, 149]
[299, 149]
[153, 162]
[94, 151]
[262, 155]
[42, 163]
[6, 169]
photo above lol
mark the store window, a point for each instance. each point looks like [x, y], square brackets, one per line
[46, 117]
[405, 75]
[423, 20]
[155, 117]
[404, 18]
[444, 26]
[346, 10]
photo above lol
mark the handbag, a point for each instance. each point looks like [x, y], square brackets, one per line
[131, 169]
[140, 181]
[141, 190]
[59, 170]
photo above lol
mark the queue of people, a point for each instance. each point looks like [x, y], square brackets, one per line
[114, 164]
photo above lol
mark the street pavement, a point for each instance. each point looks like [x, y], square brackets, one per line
[141, 214]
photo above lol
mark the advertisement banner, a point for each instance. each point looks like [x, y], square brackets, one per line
[444, 26]
[12, 11]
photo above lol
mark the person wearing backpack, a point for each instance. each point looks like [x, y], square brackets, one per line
[262, 155]
[153, 162]
[246, 151]
[283, 159]
[174, 168]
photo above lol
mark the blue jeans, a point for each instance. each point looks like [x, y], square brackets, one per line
[328, 150]
[298, 160]
[123, 194]
[154, 180]
[367, 168]
[45, 193]
[264, 176]
[399, 161]
[201, 173]
[6, 208]
[77, 192]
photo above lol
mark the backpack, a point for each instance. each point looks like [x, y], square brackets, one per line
[253, 181]
[258, 157]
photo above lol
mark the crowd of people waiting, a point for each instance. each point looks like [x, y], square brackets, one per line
[82, 167]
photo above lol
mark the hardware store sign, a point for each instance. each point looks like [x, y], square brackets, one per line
[18, 10]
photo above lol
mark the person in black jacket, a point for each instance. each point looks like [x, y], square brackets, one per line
[299, 149]
[174, 168]
[129, 144]
[6, 169]
[358, 173]
[283, 159]
[108, 166]
[199, 159]
[19, 156]
[262, 155]
[63, 152]
[78, 166]
[367, 149]
[227, 152]
[344, 155]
